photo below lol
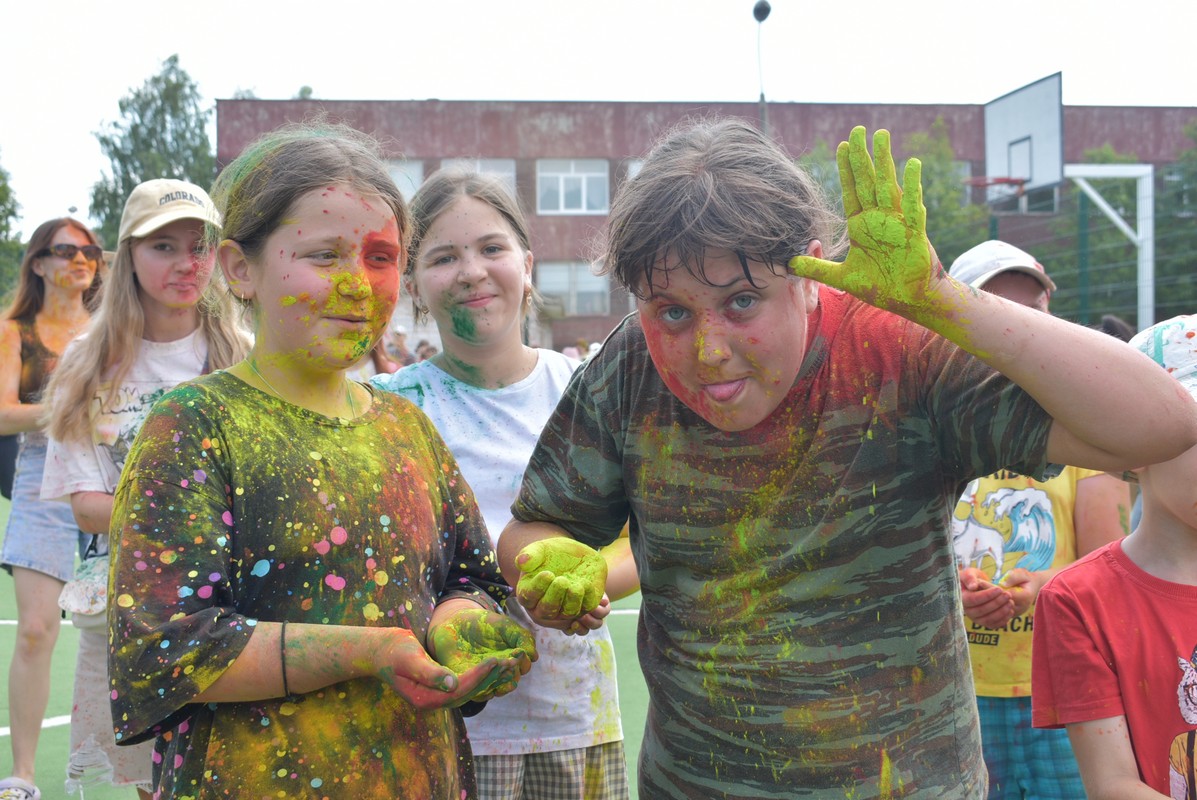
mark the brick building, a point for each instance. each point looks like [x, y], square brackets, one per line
[566, 160]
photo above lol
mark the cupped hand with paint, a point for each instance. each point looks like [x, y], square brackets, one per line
[474, 637]
[890, 263]
[410, 670]
[561, 582]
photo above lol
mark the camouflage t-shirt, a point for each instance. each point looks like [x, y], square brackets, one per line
[800, 628]
[235, 507]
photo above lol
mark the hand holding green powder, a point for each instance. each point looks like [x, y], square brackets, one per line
[474, 636]
[562, 578]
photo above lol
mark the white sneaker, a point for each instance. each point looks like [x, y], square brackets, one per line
[17, 789]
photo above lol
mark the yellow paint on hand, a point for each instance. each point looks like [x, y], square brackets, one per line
[890, 263]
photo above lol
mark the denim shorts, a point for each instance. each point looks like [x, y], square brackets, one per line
[42, 534]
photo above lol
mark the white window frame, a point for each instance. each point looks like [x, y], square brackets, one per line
[575, 270]
[587, 171]
[502, 168]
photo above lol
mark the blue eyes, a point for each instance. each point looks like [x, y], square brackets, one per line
[735, 307]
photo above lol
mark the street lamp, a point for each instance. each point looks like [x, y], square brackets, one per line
[760, 12]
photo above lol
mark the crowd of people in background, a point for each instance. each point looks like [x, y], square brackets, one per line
[879, 510]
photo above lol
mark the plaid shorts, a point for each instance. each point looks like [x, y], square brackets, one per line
[587, 773]
[1026, 763]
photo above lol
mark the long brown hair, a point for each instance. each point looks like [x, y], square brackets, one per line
[30, 292]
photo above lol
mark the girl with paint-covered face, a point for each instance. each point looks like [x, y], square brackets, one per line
[59, 274]
[489, 394]
[162, 320]
[304, 589]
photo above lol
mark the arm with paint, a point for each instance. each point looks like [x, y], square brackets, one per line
[1067, 368]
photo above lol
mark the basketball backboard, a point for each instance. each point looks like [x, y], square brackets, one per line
[1024, 135]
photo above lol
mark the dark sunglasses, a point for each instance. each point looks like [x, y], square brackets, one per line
[92, 252]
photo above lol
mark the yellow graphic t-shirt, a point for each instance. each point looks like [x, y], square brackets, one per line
[1002, 522]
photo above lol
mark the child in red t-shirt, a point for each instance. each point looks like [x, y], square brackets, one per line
[1115, 647]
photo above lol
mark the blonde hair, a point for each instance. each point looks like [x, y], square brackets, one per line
[114, 338]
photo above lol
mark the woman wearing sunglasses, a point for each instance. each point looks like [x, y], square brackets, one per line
[59, 274]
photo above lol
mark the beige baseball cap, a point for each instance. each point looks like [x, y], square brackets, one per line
[162, 201]
[976, 266]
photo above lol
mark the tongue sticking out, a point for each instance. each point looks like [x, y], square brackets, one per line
[722, 392]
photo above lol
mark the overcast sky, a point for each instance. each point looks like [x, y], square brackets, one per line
[65, 65]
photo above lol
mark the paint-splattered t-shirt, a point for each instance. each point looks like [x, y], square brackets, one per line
[800, 631]
[236, 507]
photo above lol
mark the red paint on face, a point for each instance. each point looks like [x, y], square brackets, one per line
[732, 350]
[171, 274]
[330, 299]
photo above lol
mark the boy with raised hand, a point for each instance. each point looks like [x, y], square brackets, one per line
[789, 457]
[1115, 649]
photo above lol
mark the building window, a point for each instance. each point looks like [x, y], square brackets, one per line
[570, 288]
[502, 168]
[407, 175]
[571, 186]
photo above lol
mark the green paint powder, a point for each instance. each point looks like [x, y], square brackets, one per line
[464, 327]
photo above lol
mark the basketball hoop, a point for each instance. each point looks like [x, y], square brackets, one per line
[1014, 185]
[1001, 193]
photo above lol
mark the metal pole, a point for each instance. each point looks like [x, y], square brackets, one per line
[1082, 257]
[760, 12]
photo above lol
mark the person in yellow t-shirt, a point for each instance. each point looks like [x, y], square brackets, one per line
[1011, 533]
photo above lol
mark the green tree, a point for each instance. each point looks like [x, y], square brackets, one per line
[10, 243]
[162, 133]
[819, 163]
[954, 224]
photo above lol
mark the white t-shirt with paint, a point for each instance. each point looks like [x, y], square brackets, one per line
[95, 465]
[569, 699]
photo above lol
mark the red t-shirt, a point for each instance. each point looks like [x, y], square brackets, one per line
[1112, 640]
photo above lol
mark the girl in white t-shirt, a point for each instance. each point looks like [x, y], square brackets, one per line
[489, 394]
[162, 319]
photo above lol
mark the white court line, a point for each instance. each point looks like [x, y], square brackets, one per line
[51, 722]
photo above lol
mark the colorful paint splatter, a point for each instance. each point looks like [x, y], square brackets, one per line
[237, 507]
[800, 629]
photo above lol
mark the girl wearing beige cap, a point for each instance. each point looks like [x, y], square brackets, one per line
[162, 319]
[58, 275]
